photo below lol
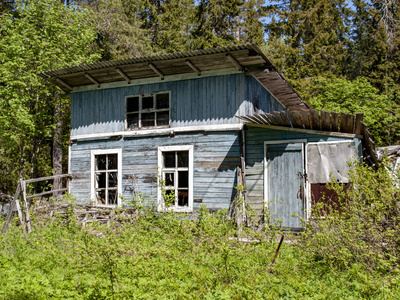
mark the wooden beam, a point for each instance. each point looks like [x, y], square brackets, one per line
[193, 67]
[126, 77]
[157, 71]
[285, 118]
[64, 83]
[47, 178]
[305, 118]
[358, 126]
[314, 117]
[88, 76]
[346, 123]
[278, 118]
[307, 131]
[325, 120]
[235, 62]
[334, 121]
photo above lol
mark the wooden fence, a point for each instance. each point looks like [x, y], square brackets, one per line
[23, 192]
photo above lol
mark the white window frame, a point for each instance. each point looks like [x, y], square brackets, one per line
[160, 199]
[150, 110]
[93, 175]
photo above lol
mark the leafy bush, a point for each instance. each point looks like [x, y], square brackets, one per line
[169, 256]
[365, 229]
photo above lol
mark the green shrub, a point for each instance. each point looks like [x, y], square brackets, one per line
[365, 229]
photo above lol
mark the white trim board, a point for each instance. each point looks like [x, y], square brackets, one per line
[160, 204]
[93, 153]
[169, 78]
[309, 131]
[156, 132]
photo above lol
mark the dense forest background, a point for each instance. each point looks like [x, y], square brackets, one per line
[339, 55]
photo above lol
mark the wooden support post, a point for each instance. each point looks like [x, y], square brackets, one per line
[26, 207]
[122, 73]
[235, 62]
[92, 79]
[156, 70]
[193, 67]
[14, 203]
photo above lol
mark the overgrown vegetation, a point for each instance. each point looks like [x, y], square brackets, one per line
[351, 255]
[363, 228]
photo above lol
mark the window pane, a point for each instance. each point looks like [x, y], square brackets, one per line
[183, 159]
[183, 179]
[112, 161]
[169, 179]
[101, 180]
[101, 162]
[169, 159]
[162, 100]
[112, 179]
[132, 104]
[112, 197]
[147, 102]
[148, 119]
[183, 198]
[162, 118]
[132, 120]
[101, 197]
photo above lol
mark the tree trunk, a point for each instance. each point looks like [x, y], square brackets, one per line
[57, 144]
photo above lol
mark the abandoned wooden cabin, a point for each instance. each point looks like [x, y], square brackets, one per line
[197, 120]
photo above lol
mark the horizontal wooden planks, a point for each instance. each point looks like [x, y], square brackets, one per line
[255, 138]
[216, 156]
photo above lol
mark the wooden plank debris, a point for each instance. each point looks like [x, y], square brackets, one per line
[278, 117]
[346, 123]
[334, 121]
[358, 125]
[314, 119]
[325, 120]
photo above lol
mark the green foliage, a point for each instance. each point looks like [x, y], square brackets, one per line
[340, 94]
[44, 35]
[364, 231]
[164, 256]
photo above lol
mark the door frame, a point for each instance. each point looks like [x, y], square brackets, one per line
[304, 163]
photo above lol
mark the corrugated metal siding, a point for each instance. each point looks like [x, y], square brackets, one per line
[202, 101]
[255, 138]
[216, 156]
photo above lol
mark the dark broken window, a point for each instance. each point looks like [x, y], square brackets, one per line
[144, 111]
[175, 170]
[106, 179]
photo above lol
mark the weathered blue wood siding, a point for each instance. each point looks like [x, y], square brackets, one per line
[201, 101]
[284, 175]
[216, 156]
[255, 138]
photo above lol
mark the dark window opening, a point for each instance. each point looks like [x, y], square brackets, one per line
[147, 111]
[106, 179]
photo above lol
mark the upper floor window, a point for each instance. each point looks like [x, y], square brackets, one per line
[148, 110]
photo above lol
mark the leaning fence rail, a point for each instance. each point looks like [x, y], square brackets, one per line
[21, 191]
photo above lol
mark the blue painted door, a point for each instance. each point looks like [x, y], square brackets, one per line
[285, 183]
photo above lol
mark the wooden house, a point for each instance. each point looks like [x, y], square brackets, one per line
[194, 125]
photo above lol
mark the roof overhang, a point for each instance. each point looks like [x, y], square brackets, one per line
[246, 57]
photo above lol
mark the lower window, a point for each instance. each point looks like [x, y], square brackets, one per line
[106, 177]
[175, 182]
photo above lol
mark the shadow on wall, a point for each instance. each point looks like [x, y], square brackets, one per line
[209, 100]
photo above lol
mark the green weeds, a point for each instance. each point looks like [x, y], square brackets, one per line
[170, 256]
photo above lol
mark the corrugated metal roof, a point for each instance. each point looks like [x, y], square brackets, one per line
[151, 58]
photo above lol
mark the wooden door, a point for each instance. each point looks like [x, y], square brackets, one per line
[285, 183]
